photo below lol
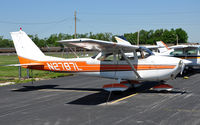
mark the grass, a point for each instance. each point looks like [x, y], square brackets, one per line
[11, 74]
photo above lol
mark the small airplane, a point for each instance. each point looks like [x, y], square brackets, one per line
[160, 49]
[163, 49]
[111, 61]
[186, 52]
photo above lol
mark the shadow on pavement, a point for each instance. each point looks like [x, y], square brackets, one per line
[99, 96]
[52, 87]
[34, 88]
[104, 97]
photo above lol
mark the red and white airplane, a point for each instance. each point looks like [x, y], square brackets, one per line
[111, 62]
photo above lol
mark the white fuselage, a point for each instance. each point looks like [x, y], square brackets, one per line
[153, 68]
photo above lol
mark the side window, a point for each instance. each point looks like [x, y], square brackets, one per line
[191, 51]
[177, 52]
[130, 56]
[106, 57]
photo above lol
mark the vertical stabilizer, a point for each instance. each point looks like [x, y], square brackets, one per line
[163, 46]
[25, 47]
[122, 40]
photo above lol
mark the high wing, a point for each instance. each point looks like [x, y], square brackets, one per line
[184, 46]
[99, 45]
[124, 41]
[152, 47]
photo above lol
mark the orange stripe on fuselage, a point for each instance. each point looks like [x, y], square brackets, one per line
[193, 57]
[82, 66]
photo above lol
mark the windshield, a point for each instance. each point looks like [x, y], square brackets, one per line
[143, 52]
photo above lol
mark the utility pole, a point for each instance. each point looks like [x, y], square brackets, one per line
[138, 37]
[75, 24]
[176, 39]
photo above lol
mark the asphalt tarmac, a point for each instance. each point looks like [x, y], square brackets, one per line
[80, 100]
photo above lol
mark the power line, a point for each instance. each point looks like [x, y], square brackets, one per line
[33, 23]
[142, 13]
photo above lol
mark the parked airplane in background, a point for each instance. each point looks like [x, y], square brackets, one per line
[186, 52]
[111, 62]
[159, 49]
[163, 49]
[189, 53]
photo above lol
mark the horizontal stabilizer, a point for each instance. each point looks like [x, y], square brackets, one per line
[27, 64]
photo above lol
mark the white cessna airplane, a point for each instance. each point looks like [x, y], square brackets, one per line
[111, 62]
[191, 53]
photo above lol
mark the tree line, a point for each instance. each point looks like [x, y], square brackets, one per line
[145, 37]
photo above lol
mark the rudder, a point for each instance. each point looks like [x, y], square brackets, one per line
[25, 47]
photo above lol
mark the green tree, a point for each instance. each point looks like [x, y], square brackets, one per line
[101, 36]
[131, 37]
[168, 36]
[37, 41]
[182, 35]
[4, 43]
[146, 37]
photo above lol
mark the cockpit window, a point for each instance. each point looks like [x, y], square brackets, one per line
[120, 57]
[143, 53]
[185, 52]
[191, 51]
[106, 57]
[177, 52]
[93, 57]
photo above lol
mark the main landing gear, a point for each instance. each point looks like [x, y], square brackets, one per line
[125, 85]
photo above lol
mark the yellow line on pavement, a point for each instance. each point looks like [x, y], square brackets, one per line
[123, 98]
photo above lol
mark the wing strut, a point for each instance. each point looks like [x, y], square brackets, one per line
[129, 62]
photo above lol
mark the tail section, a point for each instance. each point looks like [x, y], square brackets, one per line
[163, 46]
[25, 47]
[122, 40]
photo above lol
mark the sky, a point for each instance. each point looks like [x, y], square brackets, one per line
[46, 17]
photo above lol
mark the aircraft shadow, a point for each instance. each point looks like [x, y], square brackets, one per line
[52, 87]
[34, 88]
[104, 97]
[99, 96]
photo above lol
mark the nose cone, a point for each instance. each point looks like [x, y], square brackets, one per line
[177, 64]
[180, 66]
